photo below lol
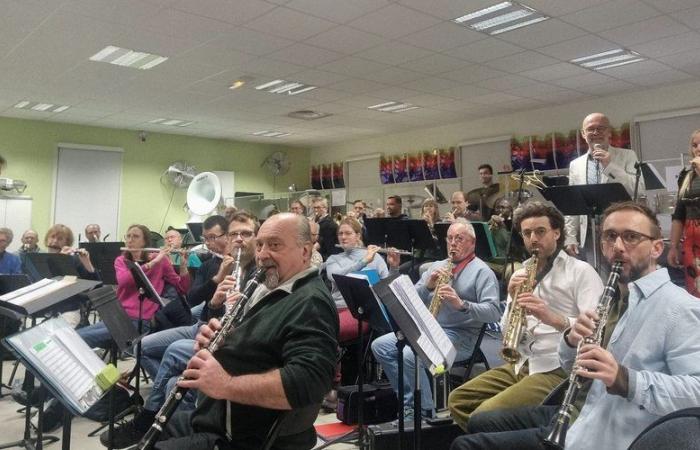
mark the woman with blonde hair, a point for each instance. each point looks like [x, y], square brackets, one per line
[686, 220]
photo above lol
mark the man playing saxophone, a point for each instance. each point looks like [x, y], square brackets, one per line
[467, 301]
[562, 287]
[646, 366]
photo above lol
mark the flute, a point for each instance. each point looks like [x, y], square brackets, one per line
[157, 250]
[381, 250]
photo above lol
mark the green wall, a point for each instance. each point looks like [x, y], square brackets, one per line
[30, 148]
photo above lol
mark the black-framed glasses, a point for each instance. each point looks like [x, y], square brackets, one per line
[539, 232]
[245, 234]
[212, 238]
[629, 238]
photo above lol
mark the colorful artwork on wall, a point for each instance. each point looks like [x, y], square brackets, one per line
[430, 165]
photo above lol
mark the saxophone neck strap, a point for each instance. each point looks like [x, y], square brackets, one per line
[462, 264]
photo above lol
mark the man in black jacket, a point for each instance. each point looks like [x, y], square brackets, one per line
[328, 229]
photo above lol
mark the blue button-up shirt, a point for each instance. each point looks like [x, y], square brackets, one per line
[658, 341]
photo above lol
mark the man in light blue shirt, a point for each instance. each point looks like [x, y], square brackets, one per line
[649, 368]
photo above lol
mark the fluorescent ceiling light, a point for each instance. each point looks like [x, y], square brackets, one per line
[269, 133]
[393, 107]
[41, 106]
[128, 58]
[285, 87]
[500, 18]
[171, 122]
[608, 59]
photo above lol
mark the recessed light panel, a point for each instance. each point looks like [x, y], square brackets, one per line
[285, 87]
[41, 106]
[270, 133]
[500, 18]
[171, 122]
[128, 58]
[393, 107]
[608, 59]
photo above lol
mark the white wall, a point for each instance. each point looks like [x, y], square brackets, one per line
[620, 108]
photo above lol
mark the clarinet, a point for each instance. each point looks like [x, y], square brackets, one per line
[229, 321]
[557, 435]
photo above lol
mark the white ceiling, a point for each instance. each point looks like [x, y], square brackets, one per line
[359, 53]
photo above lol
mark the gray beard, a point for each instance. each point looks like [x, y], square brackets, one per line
[272, 280]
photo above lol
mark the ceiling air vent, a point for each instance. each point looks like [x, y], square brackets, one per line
[307, 114]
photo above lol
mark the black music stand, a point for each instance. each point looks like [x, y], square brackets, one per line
[651, 179]
[49, 265]
[364, 308]
[9, 283]
[124, 336]
[587, 200]
[32, 310]
[102, 255]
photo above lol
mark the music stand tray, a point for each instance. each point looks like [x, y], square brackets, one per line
[102, 255]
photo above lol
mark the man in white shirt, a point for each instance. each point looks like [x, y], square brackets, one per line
[564, 286]
[602, 163]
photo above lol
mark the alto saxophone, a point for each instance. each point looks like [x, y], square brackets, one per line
[516, 321]
[443, 279]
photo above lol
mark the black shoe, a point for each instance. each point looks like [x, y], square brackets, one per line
[53, 417]
[131, 432]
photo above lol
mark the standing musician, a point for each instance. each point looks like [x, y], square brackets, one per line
[158, 270]
[280, 357]
[564, 287]
[469, 301]
[328, 229]
[646, 366]
[166, 353]
[601, 164]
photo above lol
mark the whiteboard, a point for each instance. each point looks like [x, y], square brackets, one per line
[88, 188]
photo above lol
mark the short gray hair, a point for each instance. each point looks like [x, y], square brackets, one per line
[467, 225]
[8, 233]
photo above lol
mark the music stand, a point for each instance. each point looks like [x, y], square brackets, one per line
[102, 255]
[49, 265]
[9, 283]
[33, 309]
[586, 200]
[652, 179]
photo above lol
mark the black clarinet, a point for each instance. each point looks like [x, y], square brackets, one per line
[557, 435]
[229, 322]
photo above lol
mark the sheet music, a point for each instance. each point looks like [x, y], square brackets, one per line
[33, 292]
[433, 340]
[21, 291]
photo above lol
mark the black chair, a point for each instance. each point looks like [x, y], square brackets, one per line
[679, 430]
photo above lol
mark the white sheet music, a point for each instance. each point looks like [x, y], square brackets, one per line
[433, 340]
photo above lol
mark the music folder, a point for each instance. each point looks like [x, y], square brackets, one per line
[420, 328]
[54, 352]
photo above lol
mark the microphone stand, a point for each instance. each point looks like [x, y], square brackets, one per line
[637, 174]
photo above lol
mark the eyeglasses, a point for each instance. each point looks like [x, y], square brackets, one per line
[456, 239]
[213, 238]
[132, 236]
[539, 232]
[593, 130]
[246, 234]
[629, 238]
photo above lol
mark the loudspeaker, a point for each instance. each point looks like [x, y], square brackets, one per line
[385, 436]
[380, 404]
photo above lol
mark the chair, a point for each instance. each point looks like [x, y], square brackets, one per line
[290, 422]
[679, 430]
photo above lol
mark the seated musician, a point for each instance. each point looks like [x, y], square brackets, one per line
[461, 208]
[30, 241]
[563, 287]
[158, 270]
[646, 366]
[165, 354]
[467, 302]
[9, 262]
[280, 357]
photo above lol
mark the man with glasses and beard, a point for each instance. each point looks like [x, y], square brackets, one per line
[280, 357]
[564, 286]
[647, 365]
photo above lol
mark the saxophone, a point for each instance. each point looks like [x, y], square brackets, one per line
[517, 321]
[436, 302]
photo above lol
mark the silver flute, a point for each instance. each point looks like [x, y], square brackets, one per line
[381, 250]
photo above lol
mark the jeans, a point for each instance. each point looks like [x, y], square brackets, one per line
[98, 335]
[173, 364]
[385, 351]
[154, 345]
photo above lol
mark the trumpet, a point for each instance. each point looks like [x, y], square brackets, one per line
[381, 250]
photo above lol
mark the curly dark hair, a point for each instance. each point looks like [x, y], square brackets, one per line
[539, 209]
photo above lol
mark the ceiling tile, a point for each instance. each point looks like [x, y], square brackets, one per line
[443, 36]
[272, 67]
[431, 85]
[682, 60]
[357, 86]
[554, 72]
[394, 21]
[393, 53]
[339, 12]
[473, 73]
[435, 64]
[135, 13]
[521, 62]
[427, 100]
[394, 93]
[646, 30]
[190, 27]
[485, 50]
[318, 77]
[305, 55]
[578, 47]
[290, 24]
[506, 82]
[690, 17]
[672, 5]
[610, 15]
[393, 75]
[250, 41]
[496, 97]
[353, 66]
[660, 78]
[635, 69]
[542, 34]
[345, 40]
[448, 9]
[555, 8]
[612, 87]
[465, 91]
[669, 45]
[237, 13]
[587, 79]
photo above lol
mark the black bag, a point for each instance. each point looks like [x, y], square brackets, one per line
[380, 404]
[100, 410]
[175, 314]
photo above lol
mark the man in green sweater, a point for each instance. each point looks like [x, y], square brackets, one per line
[281, 357]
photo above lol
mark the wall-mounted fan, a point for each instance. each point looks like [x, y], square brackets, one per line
[277, 164]
[179, 174]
